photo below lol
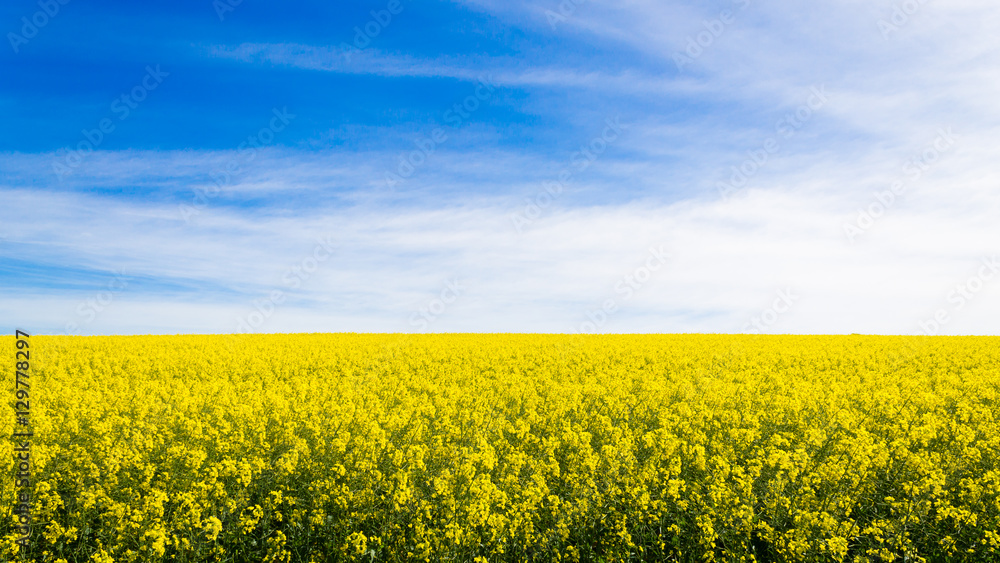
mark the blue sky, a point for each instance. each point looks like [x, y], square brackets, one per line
[583, 166]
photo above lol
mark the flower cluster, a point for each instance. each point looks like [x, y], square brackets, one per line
[508, 447]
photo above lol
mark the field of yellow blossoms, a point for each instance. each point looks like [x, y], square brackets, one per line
[509, 447]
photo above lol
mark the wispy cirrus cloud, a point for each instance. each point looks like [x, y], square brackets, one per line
[726, 258]
[749, 81]
[508, 71]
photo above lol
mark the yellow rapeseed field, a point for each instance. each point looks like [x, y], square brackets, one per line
[508, 447]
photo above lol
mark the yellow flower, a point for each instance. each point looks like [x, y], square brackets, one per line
[503, 447]
[212, 528]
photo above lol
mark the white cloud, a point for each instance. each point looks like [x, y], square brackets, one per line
[503, 71]
[728, 260]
